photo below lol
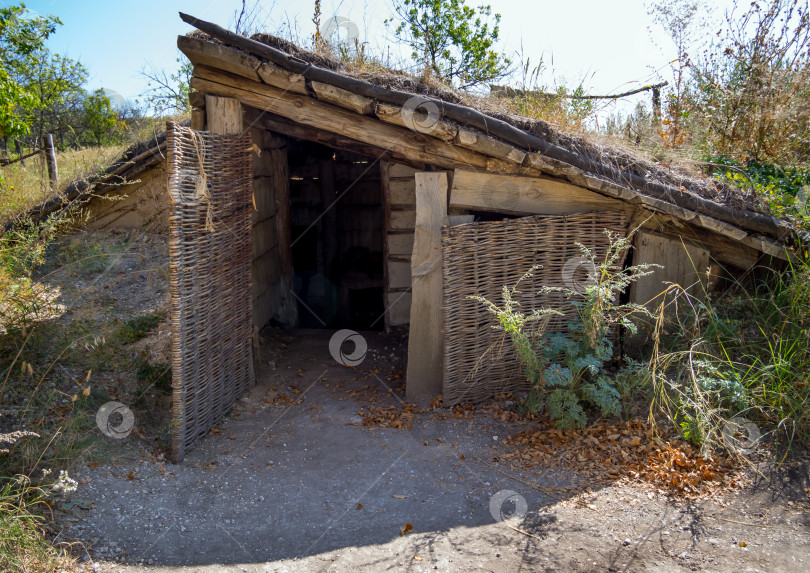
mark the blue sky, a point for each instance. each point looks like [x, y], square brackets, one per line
[609, 44]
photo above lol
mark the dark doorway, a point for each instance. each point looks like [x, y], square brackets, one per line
[336, 210]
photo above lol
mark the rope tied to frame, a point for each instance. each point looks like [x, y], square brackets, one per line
[201, 191]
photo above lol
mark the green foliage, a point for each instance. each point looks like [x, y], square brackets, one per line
[747, 355]
[741, 90]
[451, 40]
[568, 371]
[786, 190]
[20, 36]
[23, 545]
[137, 328]
[99, 117]
[157, 375]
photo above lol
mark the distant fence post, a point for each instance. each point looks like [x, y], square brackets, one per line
[18, 151]
[50, 158]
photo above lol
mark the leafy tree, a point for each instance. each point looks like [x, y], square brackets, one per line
[20, 36]
[55, 84]
[451, 40]
[168, 92]
[99, 116]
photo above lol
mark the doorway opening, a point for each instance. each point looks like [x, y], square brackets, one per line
[337, 226]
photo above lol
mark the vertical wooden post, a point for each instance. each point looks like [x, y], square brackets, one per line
[281, 192]
[385, 170]
[197, 101]
[50, 158]
[223, 114]
[18, 150]
[425, 344]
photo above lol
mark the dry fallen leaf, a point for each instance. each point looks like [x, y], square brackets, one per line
[462, 458]
[359, 506]
[397, 496]
[407, 528]
[131, 475]
[86, 391]
[416, 556]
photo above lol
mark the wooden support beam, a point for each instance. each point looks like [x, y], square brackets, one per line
[393, 114]
[489, 146]
[288, 312]
[343, 98]
[309, 111]
[198, 118]
[525, 195]
[224, 114]
[425, 343]
[284, 126]
[282, 79]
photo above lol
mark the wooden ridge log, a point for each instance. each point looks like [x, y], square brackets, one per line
[492, 126]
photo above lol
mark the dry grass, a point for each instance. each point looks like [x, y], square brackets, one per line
[25, 187]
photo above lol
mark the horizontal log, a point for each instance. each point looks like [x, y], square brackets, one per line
[394, 115]
[403, 192]
[489, 146]
[343, 98]
[400, 244]
[403, 220]
[203, 53]
[289, 128]
[309, 111]
[282, 79]
[525, 195]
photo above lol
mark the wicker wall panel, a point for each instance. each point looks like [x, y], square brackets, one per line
[480, 259]
[210, 189]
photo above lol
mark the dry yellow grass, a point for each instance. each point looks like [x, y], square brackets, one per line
[24, 187]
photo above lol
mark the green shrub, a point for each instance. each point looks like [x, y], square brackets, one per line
[568, 372]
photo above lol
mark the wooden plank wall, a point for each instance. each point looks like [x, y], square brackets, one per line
[271, 288]
[399, 187]
[683, 264]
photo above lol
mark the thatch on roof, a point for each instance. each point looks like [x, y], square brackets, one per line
[545, 150]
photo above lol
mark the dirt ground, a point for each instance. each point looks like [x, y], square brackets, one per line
[308, 474]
